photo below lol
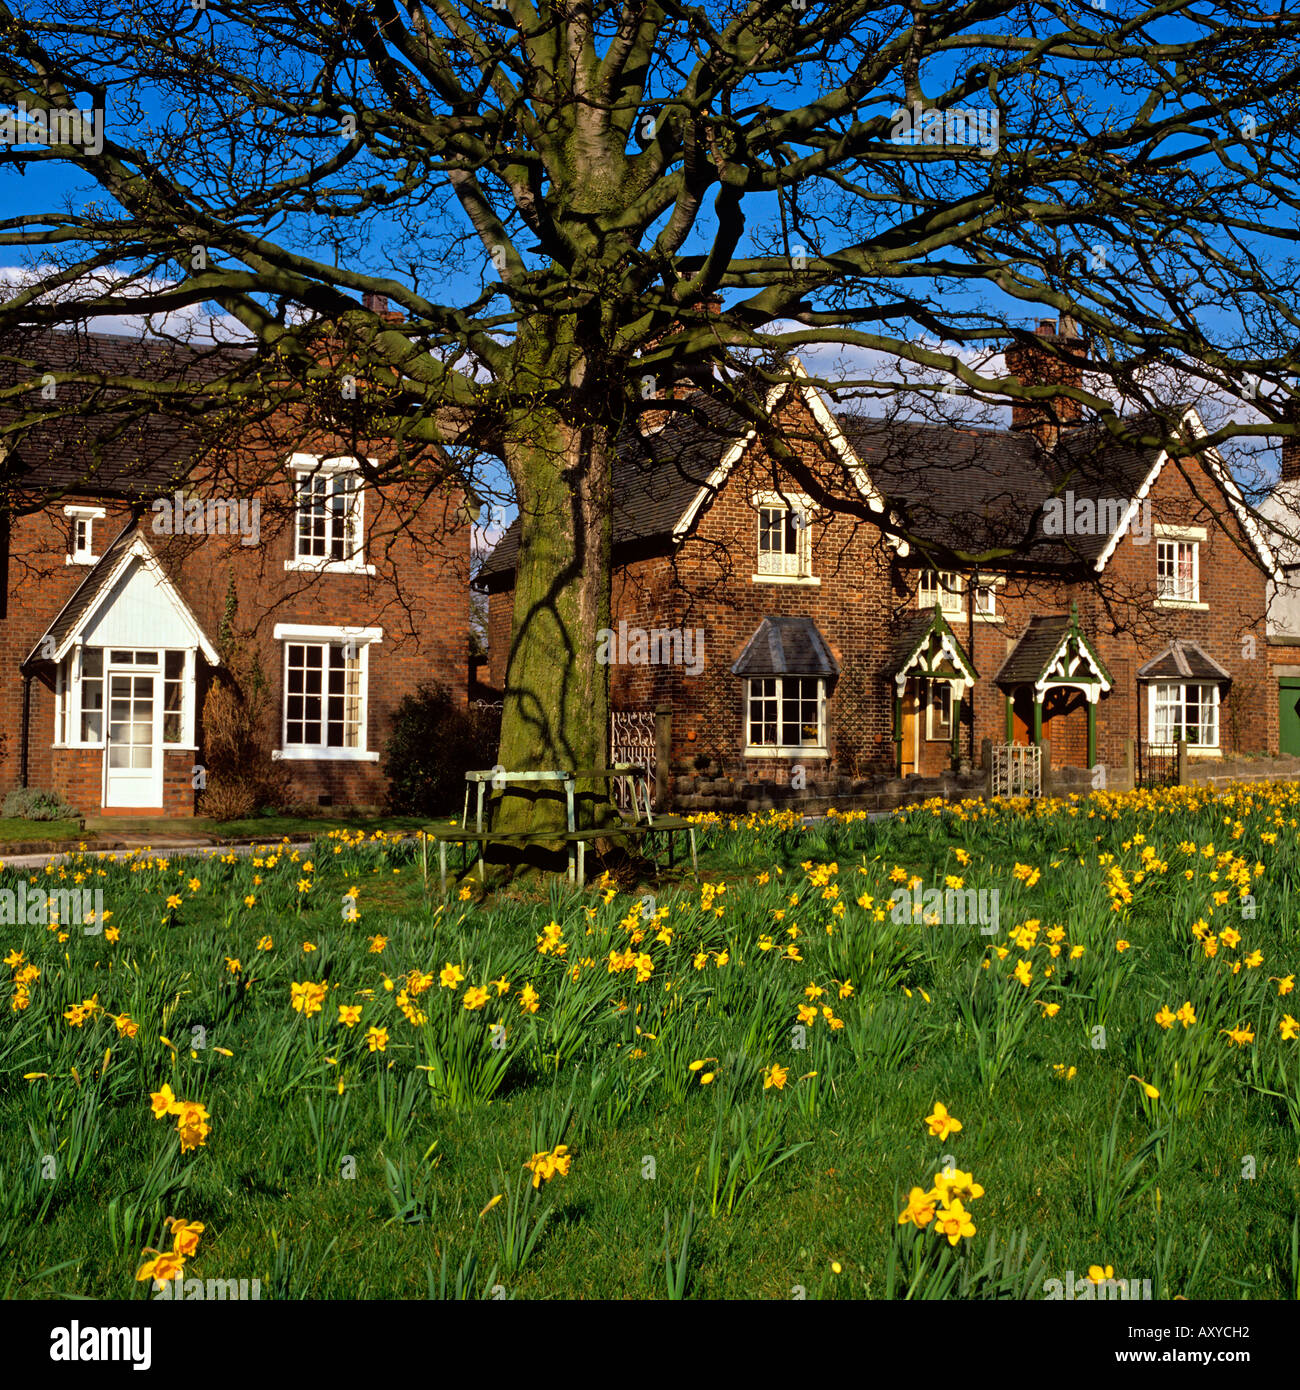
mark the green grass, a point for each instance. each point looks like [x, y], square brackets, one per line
[386, 1190]
[16, 830]
[267, 828]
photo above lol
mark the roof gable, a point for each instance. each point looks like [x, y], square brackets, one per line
[1219, 475]
[1052, 652]
[128, 575]
[927, 646]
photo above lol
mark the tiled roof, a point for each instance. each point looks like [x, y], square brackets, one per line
[104, 448]
[1183, 660]
[1028, 660]
[967, 488]
[978, 489]
[786, 647]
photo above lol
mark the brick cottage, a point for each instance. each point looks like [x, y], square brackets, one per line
[825, 653]
[147, 557]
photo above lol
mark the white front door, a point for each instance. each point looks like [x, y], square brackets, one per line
[133, 746]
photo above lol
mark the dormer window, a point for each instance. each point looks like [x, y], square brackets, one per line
[81, 534]
[328, 531]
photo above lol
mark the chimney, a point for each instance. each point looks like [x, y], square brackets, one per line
[651, 421]
[378, 304]
[1032, 366]
[1291, 447]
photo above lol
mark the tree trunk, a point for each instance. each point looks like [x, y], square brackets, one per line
[556, 697]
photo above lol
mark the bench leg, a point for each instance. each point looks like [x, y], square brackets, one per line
[424, 861]
[442, 864]
[695, 863]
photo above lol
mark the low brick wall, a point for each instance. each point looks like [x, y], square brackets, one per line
[1215, 771]
[714, 790]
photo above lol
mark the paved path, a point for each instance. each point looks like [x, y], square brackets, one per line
[183, 850]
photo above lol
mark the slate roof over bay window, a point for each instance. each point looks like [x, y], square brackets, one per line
[786, 647]
[1183, 660]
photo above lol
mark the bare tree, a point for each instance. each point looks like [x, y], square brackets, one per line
[555, 197]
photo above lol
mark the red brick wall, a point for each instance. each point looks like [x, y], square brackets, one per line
[416, 538]
[864, 595]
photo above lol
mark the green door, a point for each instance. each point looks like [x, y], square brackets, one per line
[1288, 709]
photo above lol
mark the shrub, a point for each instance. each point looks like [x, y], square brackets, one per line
[30, 803]
[434, 743]
[237, 745]
[227, 800]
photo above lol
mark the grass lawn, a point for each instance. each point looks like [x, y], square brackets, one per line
[267, 828]
[729, 1087]
[16, 830]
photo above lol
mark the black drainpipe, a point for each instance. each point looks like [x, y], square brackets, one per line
[27, 723]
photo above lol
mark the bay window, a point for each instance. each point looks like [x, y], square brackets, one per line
[1187, 713]
[786, 712]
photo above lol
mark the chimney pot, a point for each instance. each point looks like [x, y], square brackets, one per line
[376, 303]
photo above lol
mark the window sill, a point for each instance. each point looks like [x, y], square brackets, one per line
[81, 559]
[788, 753]
[989, 618]
[323, 755]
[808, 581]
[1187, 604]
[950, 614]
[327, 567]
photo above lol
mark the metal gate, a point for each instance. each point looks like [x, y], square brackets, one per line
[1157, 764]
[1017, 769]
[632, 740]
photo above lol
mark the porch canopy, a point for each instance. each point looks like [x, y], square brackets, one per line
[926, 648]
[1054, 653]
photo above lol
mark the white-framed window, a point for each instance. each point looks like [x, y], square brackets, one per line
[785, 712]
[326, 692]
[938, 712]
[784, 540]
[986, 601]
[943, 587]
[329, 515]
[1185, 712]
[1178, 571]
[81, 534]
[79, 685]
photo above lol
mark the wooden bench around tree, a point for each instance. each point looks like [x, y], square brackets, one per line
[575, 839]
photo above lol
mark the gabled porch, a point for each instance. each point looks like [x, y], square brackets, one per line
[1052, 681]
[123, 660]
[932, 676]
